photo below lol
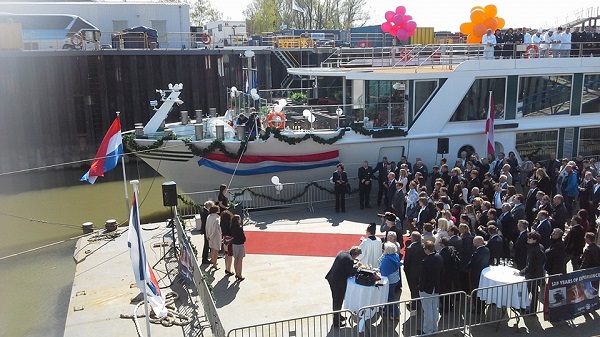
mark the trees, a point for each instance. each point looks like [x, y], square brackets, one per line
[202, 12]
[268, 15]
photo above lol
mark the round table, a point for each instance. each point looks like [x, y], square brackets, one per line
[507, 289]
[358, 296]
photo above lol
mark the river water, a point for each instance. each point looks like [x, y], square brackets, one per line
[48, 208]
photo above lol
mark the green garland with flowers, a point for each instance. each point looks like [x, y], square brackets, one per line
[295, 140]
[191, 203]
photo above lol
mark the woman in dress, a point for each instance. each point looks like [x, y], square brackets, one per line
[390, 267]
[403, 178]
[225, 224]
[340, 179]
[544, 183]
[222, 200]
[213, 233]
[239, 250]
[442, 232]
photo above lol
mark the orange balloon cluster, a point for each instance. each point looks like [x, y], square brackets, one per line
[482, 19]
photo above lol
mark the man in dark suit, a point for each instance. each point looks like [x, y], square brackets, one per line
[455, 240]
[560, 215]
[343, 267]
[552, 167]
[382, 170]
[340, 179]
[518, 209]
[521, 245]
[495, 245]
[424, 215]
[203, 215]
[479, 261]
[534, 268]
[574, 242]
[555, 254]
[595, 198]
[399, 201]
[591, 255]
[412, 265]
[390, 185]
[365, 175]
[531, 200]
[508, 227]
[544, 228]
[432, 267]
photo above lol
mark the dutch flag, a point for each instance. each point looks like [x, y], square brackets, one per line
[109, 153]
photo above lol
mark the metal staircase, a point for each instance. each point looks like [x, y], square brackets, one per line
[289, 61]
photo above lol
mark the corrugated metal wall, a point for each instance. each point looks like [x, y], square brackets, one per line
[423, 35]
[56, 106]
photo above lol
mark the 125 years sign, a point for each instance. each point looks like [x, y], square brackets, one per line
[571, 295]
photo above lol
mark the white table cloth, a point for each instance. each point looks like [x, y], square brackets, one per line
[358, 296]
[513, 295]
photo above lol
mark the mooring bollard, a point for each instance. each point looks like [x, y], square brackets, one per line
[111, 225]
[87, 227]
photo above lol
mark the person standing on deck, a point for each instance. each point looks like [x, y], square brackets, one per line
[489, 41]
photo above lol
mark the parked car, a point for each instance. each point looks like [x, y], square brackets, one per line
[136, 37]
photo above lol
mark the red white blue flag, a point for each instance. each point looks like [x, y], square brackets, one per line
[144, 276]
[489, 126]
[254, 164]
[109, 153]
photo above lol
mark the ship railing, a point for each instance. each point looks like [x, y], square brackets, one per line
[203, 289]
[268, 196]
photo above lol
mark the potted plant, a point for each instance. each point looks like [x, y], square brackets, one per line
[299, 97]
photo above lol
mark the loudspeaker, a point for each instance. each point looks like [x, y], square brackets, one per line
[443, 145]
[169, 192]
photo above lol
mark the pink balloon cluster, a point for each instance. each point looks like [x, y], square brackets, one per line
[399, 24]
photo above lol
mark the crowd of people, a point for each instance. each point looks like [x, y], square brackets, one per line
[544, 43]
[223, 233]
[536, 217]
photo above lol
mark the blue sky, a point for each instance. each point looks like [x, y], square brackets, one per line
[448, 15]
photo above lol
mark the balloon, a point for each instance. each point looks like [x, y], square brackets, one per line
[410, 26]
[500, 22]
[479, 30]
[401, 10]
[283, 102]
[311, 118]
[253, 91]
[475, 8]
[473, 39]
[277, 108]
[399, 19]
[385, 27]
[275, 180]
[389, 16]
[490, 11]
[394, 30]
[407, 17]
[491, 23]
[306, 113]
[477, 16]
[402, 34]
[466, 28]
[278, 187]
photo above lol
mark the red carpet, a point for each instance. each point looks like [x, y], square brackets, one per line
[299, 244]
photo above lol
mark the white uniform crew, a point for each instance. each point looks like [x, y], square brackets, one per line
[565, 43]
[488, 41]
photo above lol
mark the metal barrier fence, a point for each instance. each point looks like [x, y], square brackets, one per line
[257, 197]
[206, 297]
[451, 307]
[318, 325]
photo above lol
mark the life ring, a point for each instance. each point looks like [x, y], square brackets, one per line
[532, 51]
[436, 57]
[276, 120]
[206, 39]
[76, 40]
[405, 54]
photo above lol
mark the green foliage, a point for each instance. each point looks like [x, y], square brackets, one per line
[299, 97]
[202, 12]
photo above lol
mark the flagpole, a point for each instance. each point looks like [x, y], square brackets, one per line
[125, 179]
[141, 242]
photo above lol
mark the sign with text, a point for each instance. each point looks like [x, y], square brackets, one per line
[571, 295]
[186, 267]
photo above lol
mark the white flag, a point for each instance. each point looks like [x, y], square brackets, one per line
[297, 7]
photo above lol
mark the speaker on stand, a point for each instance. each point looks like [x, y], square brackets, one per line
[169, 193]
[443, 146]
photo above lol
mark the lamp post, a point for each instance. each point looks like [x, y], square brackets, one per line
[338, 112]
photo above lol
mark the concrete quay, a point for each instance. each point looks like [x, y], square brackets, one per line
[277, 287]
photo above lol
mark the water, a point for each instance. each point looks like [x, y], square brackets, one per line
[36, 286]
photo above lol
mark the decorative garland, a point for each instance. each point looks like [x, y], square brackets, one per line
[192, 203]
[295, 140]
[379, 133]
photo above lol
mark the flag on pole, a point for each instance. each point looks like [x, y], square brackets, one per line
[109, 153]
[297, 7]
[489, 126]
[144, 276]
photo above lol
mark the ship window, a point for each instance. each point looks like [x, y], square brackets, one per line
[544, 96]
[536, 145]
[423, 92]
[474, 106]
[385, 99]
[589, 142]
[591, 94]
